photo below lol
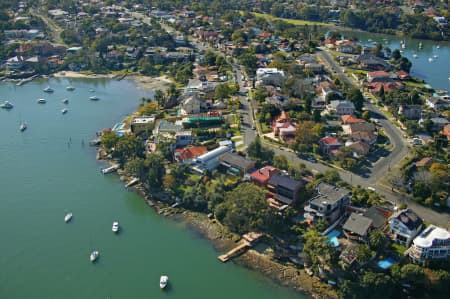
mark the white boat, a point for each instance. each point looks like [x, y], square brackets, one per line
[94, 256]
[23, 127]
[435, 56]
[41, 101]
[70, 88]
[92, 90]
[65, 101]
[94, 98]
[403, 45]
[110, 169]
[115, 226]
[48, 89]
[415, 55]
[420, 45]
[430, 59]
[6, 105]
[437, 47]
[163, 281]
[68, 217]
[64, 111]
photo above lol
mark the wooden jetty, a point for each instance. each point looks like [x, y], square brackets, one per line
[132, 182]
[110, 169]
[246, 242]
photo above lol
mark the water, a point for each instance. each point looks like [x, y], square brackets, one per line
[46, 172]
[435, 73]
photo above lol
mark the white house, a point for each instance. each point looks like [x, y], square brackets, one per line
[404, 225]
[341, 107]
[210, 160]
[270, 76]
[190, 105]
[432, 243]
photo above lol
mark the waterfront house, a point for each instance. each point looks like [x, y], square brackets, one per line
[372, 62]
[261, 176]
[183, 138]
[142, 124]
[188, 154]
[404, 225]
[410, 111]
[284, 189]
[190, 105]
[165, 127]
[433, 243]
[341, 107]
[236, 164]
[328, 204]
[329, 144]
[210, 160]
[380, 76]
[357, 227]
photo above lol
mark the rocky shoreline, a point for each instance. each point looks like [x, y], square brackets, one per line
[223, 240]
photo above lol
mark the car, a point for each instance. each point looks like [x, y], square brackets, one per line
[371, 188]
[253, 128]
[311, 159]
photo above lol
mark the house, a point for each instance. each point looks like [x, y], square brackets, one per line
[210, 160]
[358, 127]
[326, 88]
[379, 76]
[346, 46]
[329, 203]
[436, 103]
[402, 75]
[236, 164]
[270, 76]
[314, 67]
[357, 227]
[167, 127]
[318, 103]
[410, 111]
[261, 176]
[424, 162]
[284, 189]
[15, 63]
[372, 62]
[350, 119]
[329, 144]
[439, 123]
[183, 138]
[190, 105]
[188, 154]
[142, 124]
[433, 243]
[359, 148]
[404, 225]
[446, 131]
[379, 215]
[341, 107]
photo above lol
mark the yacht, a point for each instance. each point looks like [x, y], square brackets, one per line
[94, 98]
[94, 256]
[437, 47]
[65, 101]
[41, 101]
[6, 105]
[70, 88]
[23, 127]
[403, 45]
[415, 55]
[48, 89]
[92, 90]
[64, 111]
[68, 217]
[115, 226]
[430, 59]
[435, 56]
[163, 281]
[420, 45]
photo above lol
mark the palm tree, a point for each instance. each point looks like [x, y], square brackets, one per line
[377, 239]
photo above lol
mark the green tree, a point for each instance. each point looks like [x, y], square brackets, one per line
[396, 55]
[159, 97]
[222, 91]
[377, 239]
[156, 171]
[317, 249]
[280, 162]
[128, 146]
[376, 285]
[357, 98]
[135, 167]
[109, 140]
[257, 151]
[364, 254]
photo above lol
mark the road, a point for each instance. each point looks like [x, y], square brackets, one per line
[54, 28]
[379, 169]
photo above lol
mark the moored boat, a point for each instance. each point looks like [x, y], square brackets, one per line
[64, 111]
[94, 256]
[7, 105]
[65, 101]
[41, 101]
[48, 89]
[430, 59]
[94, 98]
[163, 281]
[23, 127]
[68, 217]
[70, 88]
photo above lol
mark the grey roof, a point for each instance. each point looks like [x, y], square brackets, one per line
[357, 224]
[372, 59]
[346, 104]
[165, 126]
[329, 193]
[409, 218]
[283, 199]
[367, 127]
[439, 120]
[376, 214]
[285, 181]
[236, 161]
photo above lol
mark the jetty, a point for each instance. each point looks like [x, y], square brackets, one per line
[23, 81]
[110, 169]
[132, 182]
[247, 241]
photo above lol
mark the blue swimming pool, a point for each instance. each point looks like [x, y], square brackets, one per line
[118, 127]
[386, 263]
[333, 238]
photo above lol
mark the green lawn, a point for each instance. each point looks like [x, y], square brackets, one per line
[290, 21]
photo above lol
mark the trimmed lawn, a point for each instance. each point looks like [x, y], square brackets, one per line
[290, 21]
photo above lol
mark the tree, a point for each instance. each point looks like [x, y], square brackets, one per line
[129, 146]
[376, 285]
[308, 133]
[156, 171]
[257, 151]
[109, 140]
[169, 182]
[377, 239]
[366, 115]
[316, 116]
[357, 98]
[222, 91]
[280, 162]
[364, 254]
[317, 249]
[244, 209]
[396, 55]
[248, 60]
[135, 167]
[159, 97]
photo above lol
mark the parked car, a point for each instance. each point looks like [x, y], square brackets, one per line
[311, 159]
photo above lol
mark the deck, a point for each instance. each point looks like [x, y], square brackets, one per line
[246, 242]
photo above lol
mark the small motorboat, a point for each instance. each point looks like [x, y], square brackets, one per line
[23, 127]
[430, 59]
[415, 55]
[70, 88]
[94, 256]
[420, 45]
[41, 101]
[92, 90]
[48, 89]
[163, 281]
[437, 47]
[94, 98]
[115, 226]
[68, 217]
[6, 105]
[435, 56]
[64, 111]
[65, 101]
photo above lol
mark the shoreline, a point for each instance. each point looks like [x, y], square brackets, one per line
[222, 240]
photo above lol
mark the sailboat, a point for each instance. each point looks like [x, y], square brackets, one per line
[23, 126]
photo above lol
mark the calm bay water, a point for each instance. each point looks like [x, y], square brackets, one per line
[46, 172]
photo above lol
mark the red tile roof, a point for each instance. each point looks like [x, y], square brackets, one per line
[350, 119]
[189, 153]
[263, 175]
[329, 140]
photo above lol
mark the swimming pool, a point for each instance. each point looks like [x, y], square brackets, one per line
[386, 263]
[332, 238]
[118, 126]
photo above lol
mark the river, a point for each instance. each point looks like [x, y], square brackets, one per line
[435, 72]
[46, 171]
